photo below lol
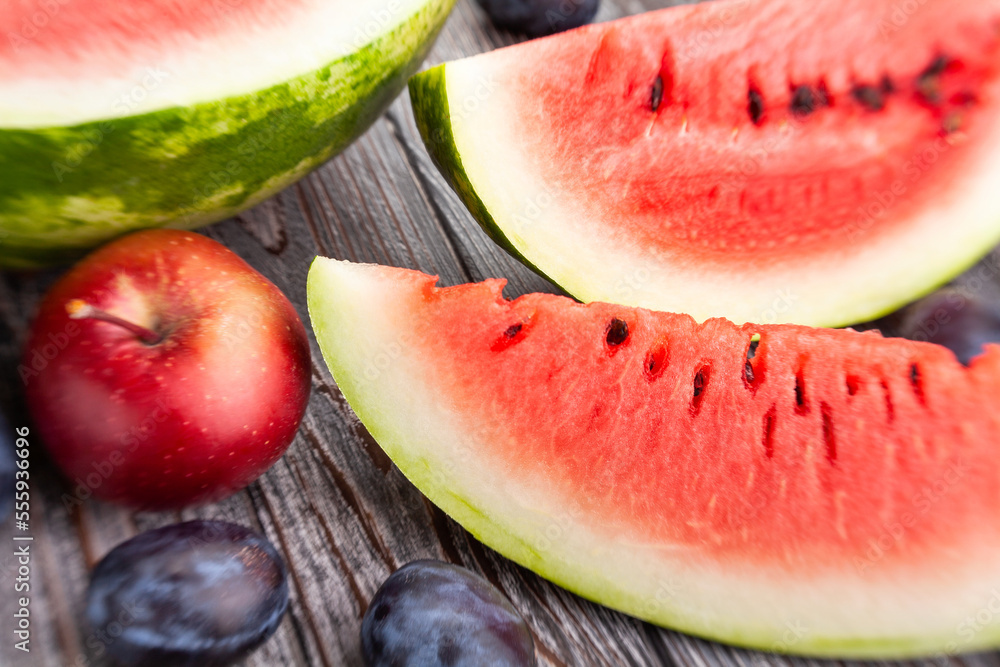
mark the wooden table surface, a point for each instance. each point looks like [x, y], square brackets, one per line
[341, 514]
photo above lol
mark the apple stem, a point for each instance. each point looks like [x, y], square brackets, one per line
[79, 309]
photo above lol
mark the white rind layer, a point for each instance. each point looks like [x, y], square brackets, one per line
[189, 70]
[362, 317]
[598, 260]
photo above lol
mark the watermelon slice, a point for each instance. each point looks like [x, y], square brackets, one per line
[762, 160]
[838, 493]
[120, 115]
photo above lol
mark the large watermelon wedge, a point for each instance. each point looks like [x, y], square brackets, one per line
[763, 160]
[146, 113]
[837, 494]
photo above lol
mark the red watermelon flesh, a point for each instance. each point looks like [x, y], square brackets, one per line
[78, 38]
[790, 195]
[838, 480]
[707, 158]
[847, 426]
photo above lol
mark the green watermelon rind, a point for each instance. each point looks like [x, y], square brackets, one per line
[429, 97]
[341, 315]
[64, 190]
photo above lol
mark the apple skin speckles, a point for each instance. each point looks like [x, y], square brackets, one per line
[110, 408]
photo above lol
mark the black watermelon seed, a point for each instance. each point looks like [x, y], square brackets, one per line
[656, 361]
[916, 380]
[936, 68]
[755, 106]
[617, 332]
[951, 124]
[701, 380]
[657, 95]
[929, 91]
[801, 406]
[513, 330]
[869, 97]
[507, 338]
[929, 81]
[803, 101]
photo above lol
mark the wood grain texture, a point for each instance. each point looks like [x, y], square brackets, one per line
[341, 514]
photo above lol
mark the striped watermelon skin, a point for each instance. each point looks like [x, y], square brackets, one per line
[65, 189]
[834, 496]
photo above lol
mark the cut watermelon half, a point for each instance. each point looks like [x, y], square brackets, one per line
[761, 160]
[148, 113]
[833, 493]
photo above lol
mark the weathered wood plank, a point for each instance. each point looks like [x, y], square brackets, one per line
[342, 515]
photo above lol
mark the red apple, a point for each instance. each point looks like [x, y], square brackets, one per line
[163, 371]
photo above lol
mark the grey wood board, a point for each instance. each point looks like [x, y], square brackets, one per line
[341, 514]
